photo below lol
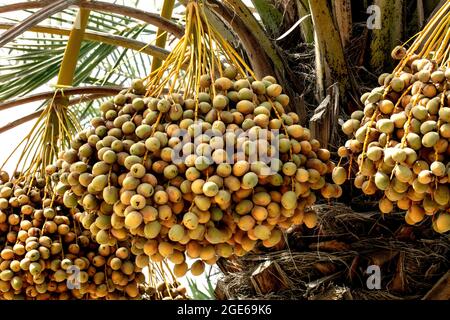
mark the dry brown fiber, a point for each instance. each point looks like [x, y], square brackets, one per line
[412, 260]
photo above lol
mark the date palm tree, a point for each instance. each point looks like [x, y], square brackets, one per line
[68, 56]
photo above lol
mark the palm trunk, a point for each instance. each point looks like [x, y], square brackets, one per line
[329, 49]
[386, 36]
[342, 12]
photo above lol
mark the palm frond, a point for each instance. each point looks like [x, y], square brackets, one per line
[38, 56]
[33, 20]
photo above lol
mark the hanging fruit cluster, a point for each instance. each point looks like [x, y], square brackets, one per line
[400, 142]
[122, 171]
[200, 160]
[48, 255]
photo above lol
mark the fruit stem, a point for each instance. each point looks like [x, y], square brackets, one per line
[366, 138]
[441, 104]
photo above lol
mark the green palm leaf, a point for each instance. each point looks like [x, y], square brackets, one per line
[38, 56]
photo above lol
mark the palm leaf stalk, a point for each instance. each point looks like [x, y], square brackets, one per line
[33, 20]
[102, 37]
[161, 36]
[85, 94]
[69, 62]
[86, 90]
[147, 17]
